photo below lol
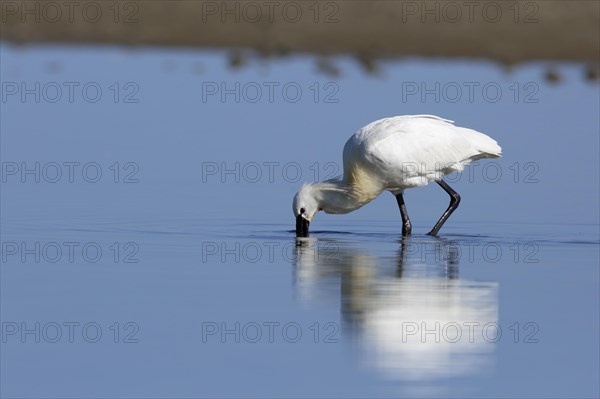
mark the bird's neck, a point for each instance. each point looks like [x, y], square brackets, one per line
[345, 195]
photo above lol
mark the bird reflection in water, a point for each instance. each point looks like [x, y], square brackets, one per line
[413, 317]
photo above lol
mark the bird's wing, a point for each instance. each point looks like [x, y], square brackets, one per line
[418, 146]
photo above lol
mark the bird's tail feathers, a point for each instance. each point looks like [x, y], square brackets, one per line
[486, 146]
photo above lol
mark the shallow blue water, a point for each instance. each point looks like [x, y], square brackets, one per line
[162, 265]
[353, 310]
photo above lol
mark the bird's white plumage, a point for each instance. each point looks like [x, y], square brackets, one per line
[409, 151]
[395, 154]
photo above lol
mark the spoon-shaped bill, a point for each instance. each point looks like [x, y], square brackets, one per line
[301, 226]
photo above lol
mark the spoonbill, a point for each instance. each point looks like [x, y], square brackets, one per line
[393, 154]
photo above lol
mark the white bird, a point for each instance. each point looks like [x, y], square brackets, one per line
[394, 154]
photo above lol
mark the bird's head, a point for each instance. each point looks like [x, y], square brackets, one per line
[305, 206]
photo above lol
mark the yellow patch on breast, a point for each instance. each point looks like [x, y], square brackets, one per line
[364, 185]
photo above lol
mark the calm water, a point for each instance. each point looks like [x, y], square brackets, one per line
[147, 246]
[219, 308]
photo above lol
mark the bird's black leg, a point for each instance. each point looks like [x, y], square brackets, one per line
[406, 226]
[454, 201]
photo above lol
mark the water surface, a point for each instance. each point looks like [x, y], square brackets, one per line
[218, 308]
[165, 266]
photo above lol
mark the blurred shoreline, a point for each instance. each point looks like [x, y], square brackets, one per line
[506, 32]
